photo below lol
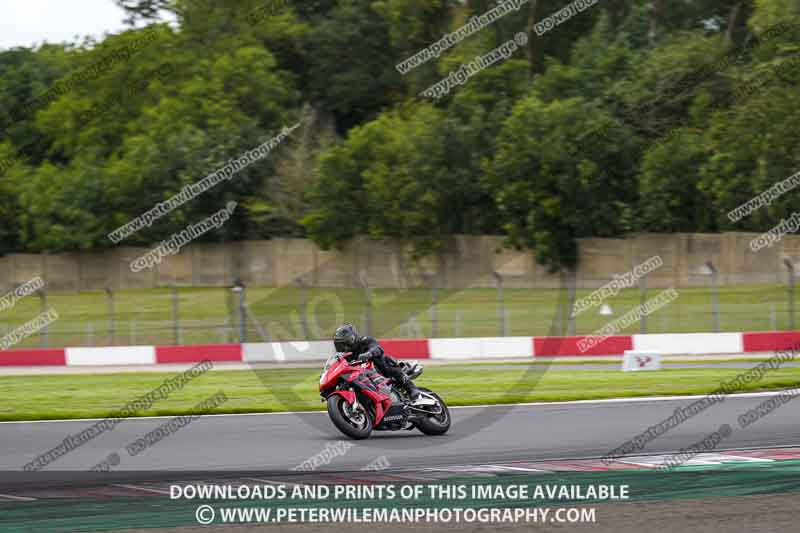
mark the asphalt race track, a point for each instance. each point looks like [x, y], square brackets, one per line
[479, 435]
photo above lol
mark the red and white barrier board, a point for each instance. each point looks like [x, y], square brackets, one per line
[444, 349]
[567, 346]
[43, 357]
[115, 355]
[690, 343]
[479, 348]
[407, 348]
[770, 341]
[198, 352]
[279, 352]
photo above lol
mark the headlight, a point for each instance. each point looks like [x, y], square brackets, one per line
[322, 378]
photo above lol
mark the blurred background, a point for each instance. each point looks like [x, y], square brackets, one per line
[628, 131]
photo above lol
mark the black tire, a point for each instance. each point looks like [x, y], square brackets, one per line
[433, 426]
[336, 410]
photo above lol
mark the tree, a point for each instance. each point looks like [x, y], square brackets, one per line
[9, 202]
[376, 183]
[404, 175]
[110, 163]
[413, 26]
[671, 196]
[598, 60]
[282, 203]
[768, 13]
[552, 188]
[146, 10]
[24, 75]
[754, 146]
[352, 62]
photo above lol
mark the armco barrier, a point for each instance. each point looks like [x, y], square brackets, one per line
[49, 357]
[113, 355]
[442, 349]
[479, 348]
[280, 352]
[568, 346]
[770, 341]
[197, 353]
[407, 348]
[690, 343]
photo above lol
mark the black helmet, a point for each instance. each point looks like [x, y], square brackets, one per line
[344, 340]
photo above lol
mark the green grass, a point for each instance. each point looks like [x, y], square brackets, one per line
[612, 361]
[210, 315]
[95, 395]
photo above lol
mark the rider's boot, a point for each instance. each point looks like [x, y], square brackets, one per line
[411, 389]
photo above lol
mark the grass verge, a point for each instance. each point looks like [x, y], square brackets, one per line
[616, 361]
[273, 390]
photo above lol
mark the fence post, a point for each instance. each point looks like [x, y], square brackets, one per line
[111, 320]
[243, 314]
[43, 333]
[642, 300]
[501, 305]
[790, 269]
[303, 306]
[367, 303]
[434, 318]
[711, 270]
[571, 293]
[773, 323]
[238, 288]
[412, 329]
[176, 324]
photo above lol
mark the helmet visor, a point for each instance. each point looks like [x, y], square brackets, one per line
[342, 346]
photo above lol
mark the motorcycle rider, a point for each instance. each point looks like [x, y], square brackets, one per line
[365, 348]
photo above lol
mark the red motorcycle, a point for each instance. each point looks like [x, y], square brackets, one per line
[361, 400]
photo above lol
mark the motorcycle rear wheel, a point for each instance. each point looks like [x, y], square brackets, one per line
[438, 425]
[346, 421]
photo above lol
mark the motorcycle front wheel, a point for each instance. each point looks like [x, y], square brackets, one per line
[355, 422]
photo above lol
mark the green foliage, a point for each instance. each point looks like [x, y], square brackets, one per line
[351, 63]
[377, 182]
[552, 188]
[9, 200]
[282, 202]
[599, 61]
[411, 174]
[672, 199]
[770, 12]
[630, 116]
[754, 146]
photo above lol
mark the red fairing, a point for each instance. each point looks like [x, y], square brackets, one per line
[348, 395]
[337, 371]
[332, 375]
[382, 403]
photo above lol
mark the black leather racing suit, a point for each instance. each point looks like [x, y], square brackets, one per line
[386, 365]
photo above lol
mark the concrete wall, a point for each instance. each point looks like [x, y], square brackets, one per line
[465, 261]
